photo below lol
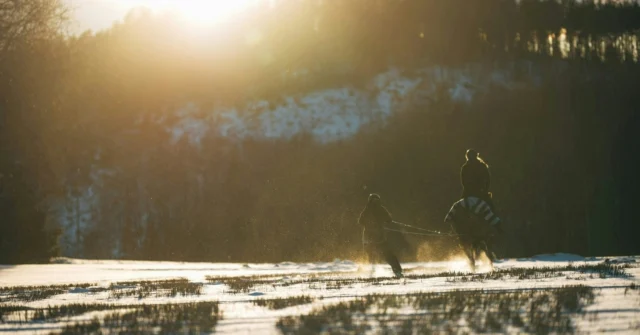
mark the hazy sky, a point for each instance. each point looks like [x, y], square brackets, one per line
[100, 14]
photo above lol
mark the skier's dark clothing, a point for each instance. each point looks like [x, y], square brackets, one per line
[374, 218]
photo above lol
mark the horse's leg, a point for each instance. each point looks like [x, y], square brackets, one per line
[468, 250]
[483, 246]
[491, 243]
[489, 251]
[475, 248]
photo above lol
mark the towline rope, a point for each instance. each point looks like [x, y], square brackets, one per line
[422, 234]
[421, 229]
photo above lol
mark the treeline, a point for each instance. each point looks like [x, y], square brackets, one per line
[74, 107]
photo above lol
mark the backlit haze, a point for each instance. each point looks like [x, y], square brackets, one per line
[97, 15]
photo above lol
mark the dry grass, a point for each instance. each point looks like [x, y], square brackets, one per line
[160, 288]
[282, 303]
[529, 311]
[34, 293]
[190, 318]
[602, 270]
[141, 289]
[335, 281]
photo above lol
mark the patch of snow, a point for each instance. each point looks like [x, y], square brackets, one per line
[256, 294]
[77, 290]
[558, 257]
[336, 113]
[462, 91]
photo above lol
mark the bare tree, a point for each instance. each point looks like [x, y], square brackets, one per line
[25, 21]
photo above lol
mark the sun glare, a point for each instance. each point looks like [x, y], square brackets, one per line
[206, 12]
[201, 12]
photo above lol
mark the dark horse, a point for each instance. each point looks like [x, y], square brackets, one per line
[475, 223]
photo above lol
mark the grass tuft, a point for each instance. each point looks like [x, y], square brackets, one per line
[282, 303]
[602, 270]
[160, 288]
[34, 293]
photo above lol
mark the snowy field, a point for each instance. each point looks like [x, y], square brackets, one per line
[543, 294]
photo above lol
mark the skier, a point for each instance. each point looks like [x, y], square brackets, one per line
[374, 240]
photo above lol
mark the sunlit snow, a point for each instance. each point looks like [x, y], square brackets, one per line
[614, 309]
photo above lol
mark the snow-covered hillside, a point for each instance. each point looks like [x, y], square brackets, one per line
[327, 115]
[338, 113]
[598, 294]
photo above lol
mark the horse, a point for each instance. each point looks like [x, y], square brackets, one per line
[474, 222]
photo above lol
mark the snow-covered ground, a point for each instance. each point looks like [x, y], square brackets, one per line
[616, 307]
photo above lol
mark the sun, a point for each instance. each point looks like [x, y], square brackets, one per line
[206, 12]
[201, 12]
